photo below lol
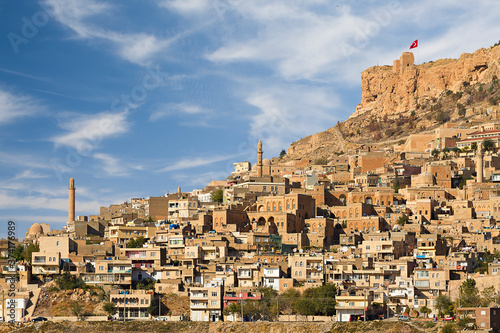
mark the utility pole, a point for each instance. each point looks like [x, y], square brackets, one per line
[364, 308]
[277, 309]
[241, 305]
[159, 305]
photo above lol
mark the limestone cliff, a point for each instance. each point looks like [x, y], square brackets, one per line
[405, 98]
[387, 90]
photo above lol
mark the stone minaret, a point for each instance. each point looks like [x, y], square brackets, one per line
[479, 163]
[71, 209]
[259, 159]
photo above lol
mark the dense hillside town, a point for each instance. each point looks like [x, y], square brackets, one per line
[365, 234]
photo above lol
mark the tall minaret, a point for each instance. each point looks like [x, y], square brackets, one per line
[259, 159]
[71, 209]
[479, 163]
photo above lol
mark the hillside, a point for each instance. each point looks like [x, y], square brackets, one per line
[226, 327]
[403, 99]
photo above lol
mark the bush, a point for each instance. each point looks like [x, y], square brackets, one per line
[67, 281]
[449, 328]
[442, 117]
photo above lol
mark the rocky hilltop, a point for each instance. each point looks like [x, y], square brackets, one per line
[406, 98]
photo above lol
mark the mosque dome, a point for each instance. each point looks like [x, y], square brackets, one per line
[35, 229]
[425, 179]
[266, 161]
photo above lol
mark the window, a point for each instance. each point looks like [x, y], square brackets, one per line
[351, 303]
[213, 303]
[368, 247]
[101, 268]
[214, 294]
[285, 285]
[483, 313]
[57, 243]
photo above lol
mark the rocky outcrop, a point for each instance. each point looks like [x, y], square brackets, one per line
[406, 99]
[386, 90]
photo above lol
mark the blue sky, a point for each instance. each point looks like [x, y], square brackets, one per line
[133, 98]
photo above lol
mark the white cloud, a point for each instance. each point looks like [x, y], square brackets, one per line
[318, 41]
[29, 174]
[287, 113]
[176, 109]
[86, 132]
[9, 200]
[111, 165]
[188, 6]
[202, 179]
[14, 106]
[189, 163]
[135, 47]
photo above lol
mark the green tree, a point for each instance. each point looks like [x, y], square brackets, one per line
[446, 151]
[435, 153]
[146, 284]
[110, 308]
[76, 308]
[287, 301]
[325, 299]
[461, 110]
[456, 151]
[282, 153]
[217, 195]
[149, 220]
[473, 146]
[469, 294]
[396, 185]
[18, 252]
[443, 303]
[425, 310]
[136, 242]
[305, 307]
[488, 144]
[33, 247]
[402, 220]
[153, 307]
[67, 281]
[489, 295]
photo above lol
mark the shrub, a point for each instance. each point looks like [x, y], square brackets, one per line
[449, 328]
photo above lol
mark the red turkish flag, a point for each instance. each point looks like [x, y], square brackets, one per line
[414, 44]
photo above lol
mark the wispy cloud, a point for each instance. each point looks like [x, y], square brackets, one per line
[188, 6]
[9, 200]
[167, 110]
[29, 174]
[111, 165]
[135, 47]
[86, 132]
[23, 74]
[286, 113]
[188, 163]
[14, 106]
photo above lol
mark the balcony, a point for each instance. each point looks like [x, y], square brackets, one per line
[118, 271]
[199, 305]
[199, 295]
